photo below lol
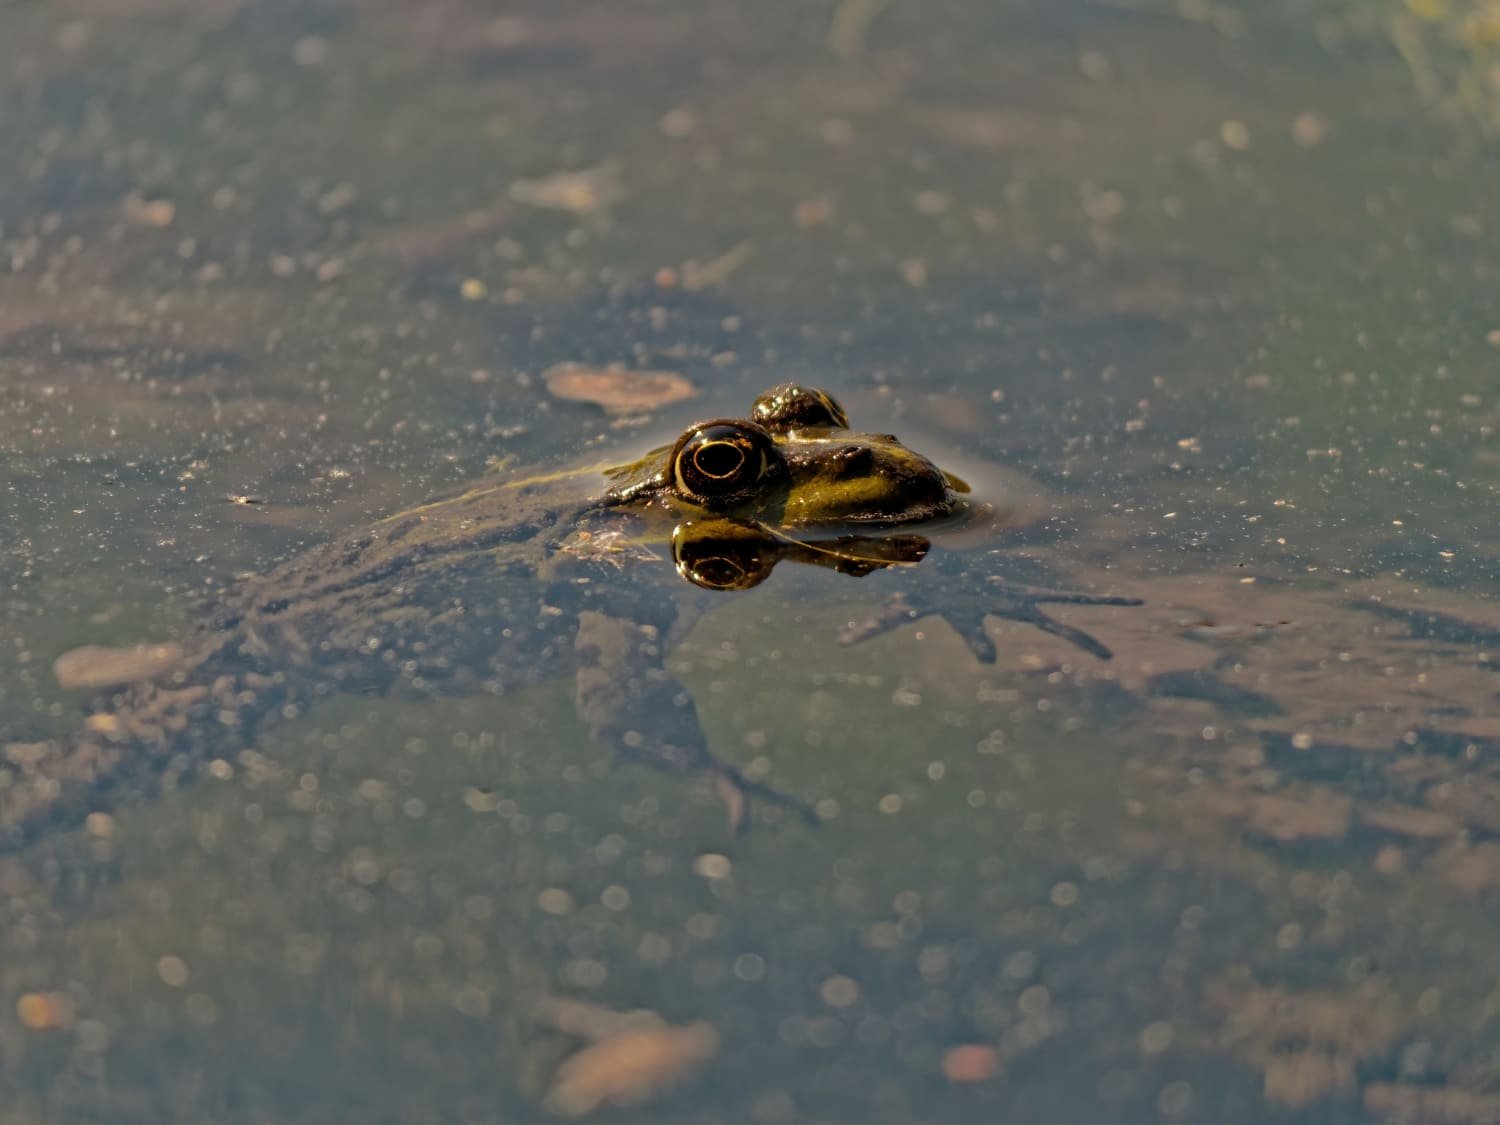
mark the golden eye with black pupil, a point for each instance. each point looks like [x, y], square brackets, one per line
[720, 464]
[719, 460]
[792, 406]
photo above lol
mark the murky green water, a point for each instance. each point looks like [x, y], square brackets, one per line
[1217, 279]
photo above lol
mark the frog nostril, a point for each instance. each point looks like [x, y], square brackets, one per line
[854, 461]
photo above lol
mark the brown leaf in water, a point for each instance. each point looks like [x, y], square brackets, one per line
[584, 192]
[617, 390]
[630, 1067]
[97, 666]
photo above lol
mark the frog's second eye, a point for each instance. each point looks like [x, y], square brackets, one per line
[721, 463]
[792, 406]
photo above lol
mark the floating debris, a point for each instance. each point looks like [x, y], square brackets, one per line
[243, 499]
[143, 212]
[972, 1062]
[105, 724]
[634, 1056]
[617, 389]
[97, 666]
[697, 276]
[585, 192]
[44, 1011]
[630, 1068]
[613, 547]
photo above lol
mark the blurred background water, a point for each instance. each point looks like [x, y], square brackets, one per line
[1217, 278]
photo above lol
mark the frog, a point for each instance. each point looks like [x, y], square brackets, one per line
[513, 582]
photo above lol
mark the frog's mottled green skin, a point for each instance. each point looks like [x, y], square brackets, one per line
[511, 583]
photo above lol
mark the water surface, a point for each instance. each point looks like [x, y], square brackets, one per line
[1216, 278]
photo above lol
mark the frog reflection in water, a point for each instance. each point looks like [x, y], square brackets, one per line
[509, 584]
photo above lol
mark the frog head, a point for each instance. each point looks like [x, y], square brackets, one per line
[794, 464]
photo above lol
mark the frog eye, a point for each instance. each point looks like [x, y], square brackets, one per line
[792, 406]
[721, 463]
[720, 458]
